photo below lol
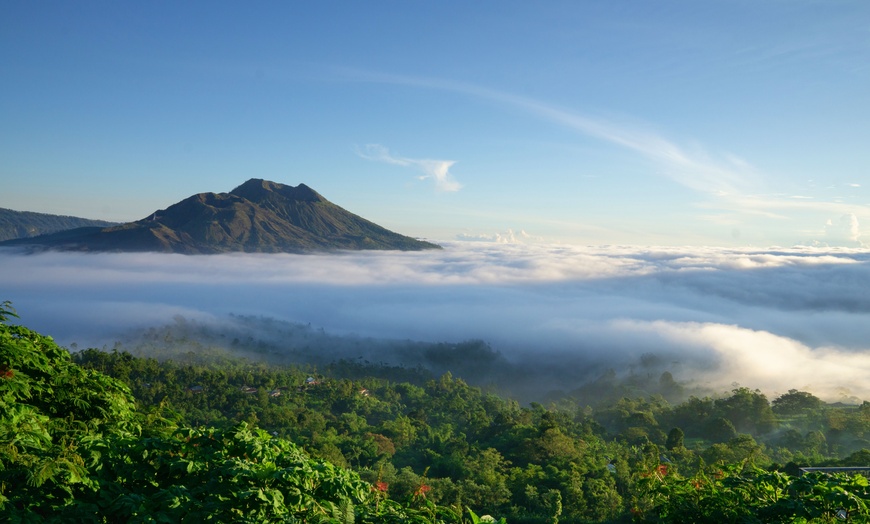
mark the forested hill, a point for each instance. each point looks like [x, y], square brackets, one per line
[25, 224]
[109, 437]
[75, 448]
[527, 463]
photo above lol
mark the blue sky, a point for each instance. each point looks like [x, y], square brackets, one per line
[668, 123]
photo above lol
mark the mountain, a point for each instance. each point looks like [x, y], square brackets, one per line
[258, 216]
[24, 224]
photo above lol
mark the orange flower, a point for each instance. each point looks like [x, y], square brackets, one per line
[662, 469]
[422, 490]
[380, 486]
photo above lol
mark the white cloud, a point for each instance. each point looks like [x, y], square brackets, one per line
[726, 314]
[475, 237]
[763, 360]
[691, 167]
[506, 237]
[846, 231]
[436, 170]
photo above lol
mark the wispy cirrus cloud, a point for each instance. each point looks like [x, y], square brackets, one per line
[725, 181]
[691, 167]
[436, 170]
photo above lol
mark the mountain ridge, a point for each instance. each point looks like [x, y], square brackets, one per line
[258, 216]
[25, 224]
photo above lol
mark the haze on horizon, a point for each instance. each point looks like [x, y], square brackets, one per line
[667, 123]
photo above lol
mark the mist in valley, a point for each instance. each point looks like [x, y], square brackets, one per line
[530, 321]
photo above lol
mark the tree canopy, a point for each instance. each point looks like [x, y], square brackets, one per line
[102, 436]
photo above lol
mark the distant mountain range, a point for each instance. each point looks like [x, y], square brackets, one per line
[25, 224]
[258, 216]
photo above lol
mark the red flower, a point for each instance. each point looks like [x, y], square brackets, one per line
[422, 490]
[381, 486]
[662, 469]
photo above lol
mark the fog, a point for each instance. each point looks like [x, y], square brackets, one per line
[771, 319]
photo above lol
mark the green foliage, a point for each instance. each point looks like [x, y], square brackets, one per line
[676, 439]
[106, 436]
[75, 449]
[226, 475]
[50, 411]
[6, 311]
[478, 450]
[72, 448]
[796, 403]
[745, 495]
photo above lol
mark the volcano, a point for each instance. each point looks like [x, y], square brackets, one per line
[259, 216]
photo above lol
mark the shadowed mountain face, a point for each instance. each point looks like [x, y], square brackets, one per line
[258, 216]
[23, 224]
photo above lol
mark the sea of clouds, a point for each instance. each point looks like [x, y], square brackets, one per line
[773, 319]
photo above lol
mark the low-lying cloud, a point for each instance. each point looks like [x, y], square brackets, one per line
[767, 319]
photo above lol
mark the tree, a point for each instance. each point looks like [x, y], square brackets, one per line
[675, 439]
[748, 410]
[796, 403]
[6, 311]
[719, 429]
[74, 449]
[670, 388]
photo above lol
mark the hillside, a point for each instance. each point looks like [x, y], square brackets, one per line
[109, 437]
[26, 224]
[73, 448]
[258, 216]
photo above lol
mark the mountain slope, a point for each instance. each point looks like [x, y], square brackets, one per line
[258, 216]
[24, 224]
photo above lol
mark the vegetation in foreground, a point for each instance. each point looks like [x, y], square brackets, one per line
[110, 437]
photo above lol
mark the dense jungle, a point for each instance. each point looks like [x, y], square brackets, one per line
[100, 435]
